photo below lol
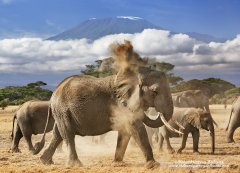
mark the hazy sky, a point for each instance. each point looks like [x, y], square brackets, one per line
[25, 55]
[46, 17]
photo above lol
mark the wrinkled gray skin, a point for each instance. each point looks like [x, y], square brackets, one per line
[30, 119]
[88, 106]
[191, 98]
[234, 120]
[192, 119]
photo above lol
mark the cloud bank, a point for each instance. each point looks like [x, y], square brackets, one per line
[35, 55]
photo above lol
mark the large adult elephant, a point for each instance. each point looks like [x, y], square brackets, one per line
[191, 98]
[89, 106]
[189, 120]
[30, 119]
[234, 120]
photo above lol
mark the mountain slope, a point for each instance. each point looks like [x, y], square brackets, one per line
[95, 28]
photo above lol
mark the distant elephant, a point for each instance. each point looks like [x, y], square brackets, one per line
[31, 118]
[234, 120]
[88, 106]
[191, 98]
[190, 120]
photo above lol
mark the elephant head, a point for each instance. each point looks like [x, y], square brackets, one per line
[150, 88]
[200, 118]
[156, 92]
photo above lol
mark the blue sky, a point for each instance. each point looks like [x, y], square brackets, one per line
[219, 18]
[25, 55]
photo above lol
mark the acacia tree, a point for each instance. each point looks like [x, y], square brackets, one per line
[98, 70]
[167, 68]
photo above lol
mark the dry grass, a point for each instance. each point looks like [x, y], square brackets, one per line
[98, 158]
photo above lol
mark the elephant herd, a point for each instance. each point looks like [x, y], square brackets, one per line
[88, 106]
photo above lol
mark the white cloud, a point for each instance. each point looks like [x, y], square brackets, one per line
[35, 55]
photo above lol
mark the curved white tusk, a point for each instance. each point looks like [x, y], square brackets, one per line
[178, 124]
[168, 125]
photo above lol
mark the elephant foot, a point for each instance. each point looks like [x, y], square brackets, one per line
[45, 160]
[15, 150]
[152, 164]
[74, 163]
[230, 141]
[171, 151]
[196, 152]
[118, 164]
[179, 151]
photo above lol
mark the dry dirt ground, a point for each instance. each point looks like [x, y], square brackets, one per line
[98, 157]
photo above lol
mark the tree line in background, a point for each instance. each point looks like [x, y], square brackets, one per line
[218, 90]
[17, 95]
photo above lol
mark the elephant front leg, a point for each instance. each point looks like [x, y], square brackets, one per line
[195, 136]
[184, 140]
[139, 133]
[122, 142]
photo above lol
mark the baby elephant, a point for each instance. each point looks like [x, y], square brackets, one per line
[187, 120]
[30, 119]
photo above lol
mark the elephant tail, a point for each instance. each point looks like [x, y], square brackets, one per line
[229, 120]
[39, 145]
[14, 117]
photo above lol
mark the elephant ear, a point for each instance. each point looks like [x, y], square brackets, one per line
[193, 118]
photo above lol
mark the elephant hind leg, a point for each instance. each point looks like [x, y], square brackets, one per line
[230, 134]
[46, 157]
[28, 138]
[160, 142]
[16, 139]
[68, 135]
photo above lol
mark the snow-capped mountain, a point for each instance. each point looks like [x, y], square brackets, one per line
[93, 29]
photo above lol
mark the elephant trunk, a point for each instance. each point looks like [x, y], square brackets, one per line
[212, 133]
[164, 104]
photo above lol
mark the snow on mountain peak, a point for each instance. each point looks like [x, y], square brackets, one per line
[130, 17]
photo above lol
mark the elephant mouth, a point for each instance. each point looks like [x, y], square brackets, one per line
[160, 115]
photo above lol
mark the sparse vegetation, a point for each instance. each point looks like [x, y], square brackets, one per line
[15, 95]
[93, 70]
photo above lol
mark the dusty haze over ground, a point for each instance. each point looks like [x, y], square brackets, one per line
[98, 157]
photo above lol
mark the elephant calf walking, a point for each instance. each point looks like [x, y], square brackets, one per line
[192, 119]
[30, 119]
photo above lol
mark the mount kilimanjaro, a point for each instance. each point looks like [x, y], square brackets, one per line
[93, 29]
